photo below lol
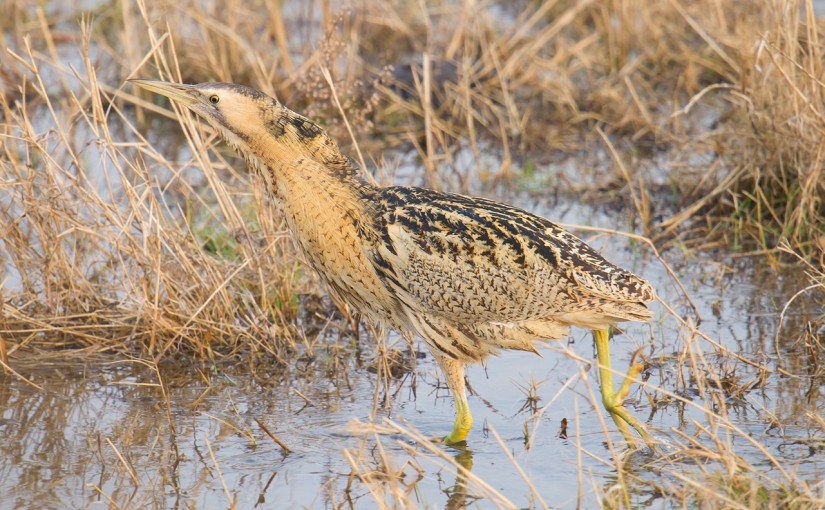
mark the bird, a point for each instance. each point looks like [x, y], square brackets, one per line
[471, 276]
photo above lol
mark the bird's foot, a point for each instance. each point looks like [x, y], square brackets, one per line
[612, 399]
[621, 416]
[458, 436]
[632, 373]
[463, 422]
[453, 440]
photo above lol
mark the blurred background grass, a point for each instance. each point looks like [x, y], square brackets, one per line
[121, 232]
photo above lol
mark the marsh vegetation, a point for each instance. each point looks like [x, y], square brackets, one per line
[163, 345]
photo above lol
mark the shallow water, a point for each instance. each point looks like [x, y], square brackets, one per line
[105, 433]
[62, 446]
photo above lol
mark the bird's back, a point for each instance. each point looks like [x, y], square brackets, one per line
[474, 265]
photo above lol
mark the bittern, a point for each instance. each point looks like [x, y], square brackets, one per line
[470, 276]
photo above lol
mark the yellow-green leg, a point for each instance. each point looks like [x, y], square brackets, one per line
[611, 399]
[454, 373]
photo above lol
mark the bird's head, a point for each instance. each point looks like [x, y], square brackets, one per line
[262, 130]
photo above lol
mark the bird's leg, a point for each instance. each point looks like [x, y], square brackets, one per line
[454, 372]
[611, 399]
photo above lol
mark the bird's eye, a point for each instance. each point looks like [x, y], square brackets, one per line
[214, 99]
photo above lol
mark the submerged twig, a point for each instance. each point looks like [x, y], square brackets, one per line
[286, 450]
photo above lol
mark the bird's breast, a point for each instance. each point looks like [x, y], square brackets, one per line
[325, 218]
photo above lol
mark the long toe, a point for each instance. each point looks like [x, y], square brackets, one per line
[623, 418]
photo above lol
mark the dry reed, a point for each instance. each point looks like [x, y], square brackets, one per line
[147, 245]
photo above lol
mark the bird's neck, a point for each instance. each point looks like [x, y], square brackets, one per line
[315, 185]
[291, 153]
[314, 171]
[304, 182]
[331, 214]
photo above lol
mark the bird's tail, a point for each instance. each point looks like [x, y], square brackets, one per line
[607, 315]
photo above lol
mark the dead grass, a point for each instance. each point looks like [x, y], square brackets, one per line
[736, 86]
[103, 242]
[149, 245]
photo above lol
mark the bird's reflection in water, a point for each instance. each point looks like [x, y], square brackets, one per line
[458, 495]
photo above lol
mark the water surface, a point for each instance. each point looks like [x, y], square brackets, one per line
[102, 430]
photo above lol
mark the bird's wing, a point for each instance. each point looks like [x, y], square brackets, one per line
[473, 260]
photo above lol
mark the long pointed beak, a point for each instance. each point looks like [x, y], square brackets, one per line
[185, 95]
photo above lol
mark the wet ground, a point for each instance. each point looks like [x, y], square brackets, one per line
[105, 431]
[114, 432]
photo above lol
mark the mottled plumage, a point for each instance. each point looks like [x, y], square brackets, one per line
[470, 276]
[476, 264]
